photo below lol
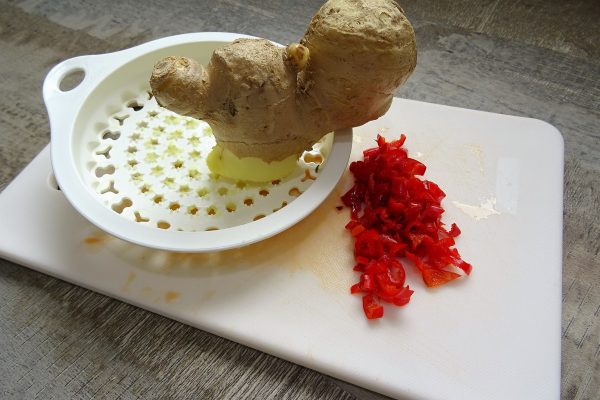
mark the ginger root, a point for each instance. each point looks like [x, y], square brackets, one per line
[271, 102]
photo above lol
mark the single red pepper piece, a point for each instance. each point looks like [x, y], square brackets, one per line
[436, 277]
[371, 307]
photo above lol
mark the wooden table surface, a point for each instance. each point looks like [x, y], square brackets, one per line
[535, 58]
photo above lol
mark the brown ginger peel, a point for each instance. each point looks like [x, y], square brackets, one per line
[266, 101]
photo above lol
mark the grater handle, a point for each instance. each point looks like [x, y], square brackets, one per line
[93, 67]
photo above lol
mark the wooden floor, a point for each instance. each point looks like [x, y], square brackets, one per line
[533, 58]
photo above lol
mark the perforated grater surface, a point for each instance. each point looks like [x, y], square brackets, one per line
[149, 165]
[138, 171]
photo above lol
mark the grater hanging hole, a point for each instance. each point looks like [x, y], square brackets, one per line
[71, 80]
[108, 170]
[122, 205]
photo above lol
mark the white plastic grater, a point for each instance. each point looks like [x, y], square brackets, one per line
[138, 171]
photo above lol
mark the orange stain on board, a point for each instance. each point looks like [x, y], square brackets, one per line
[93, 240]
[171, 296]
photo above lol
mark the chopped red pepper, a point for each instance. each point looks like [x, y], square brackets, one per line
[396, 214]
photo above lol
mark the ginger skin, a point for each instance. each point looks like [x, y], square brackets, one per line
[271, 102]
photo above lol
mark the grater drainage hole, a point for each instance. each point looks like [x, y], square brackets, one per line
[105, 152]
[108, 134]
[174, 206]
[212, 210]
[259, 216]
[132, 149]
[177, 164]
[132, 163]
[307, 176]
[145, 188]
[230, 207]
[121, 118]
[110, 189]
[276, 182]
[192, 210]
[295, 192]
[194, 173]
[248, 201]
[135, 106]
[282, 205]
[202, 192]
[163, 225]
[241, 184]
[108, 170]
[264, 192]
[158, 199]
[313, 158]
[139, 218]
[122, 205]
[222, 191]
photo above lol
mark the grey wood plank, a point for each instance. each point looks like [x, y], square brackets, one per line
[536, 59]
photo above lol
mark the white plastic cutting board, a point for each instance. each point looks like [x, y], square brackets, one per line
[493, 335]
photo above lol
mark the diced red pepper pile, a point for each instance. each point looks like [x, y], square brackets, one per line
[396, 214]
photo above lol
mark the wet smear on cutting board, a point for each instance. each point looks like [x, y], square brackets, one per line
[317, 245]
[130, 278]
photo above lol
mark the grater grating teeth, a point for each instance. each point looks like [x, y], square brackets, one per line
[148, 165]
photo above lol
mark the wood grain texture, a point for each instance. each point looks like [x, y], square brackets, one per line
[533, 58]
